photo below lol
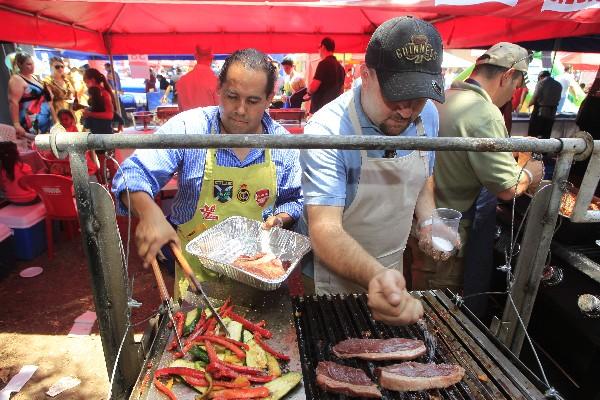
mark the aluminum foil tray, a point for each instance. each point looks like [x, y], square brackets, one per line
[220, 245]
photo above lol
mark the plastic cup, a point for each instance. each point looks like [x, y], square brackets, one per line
[444, 228]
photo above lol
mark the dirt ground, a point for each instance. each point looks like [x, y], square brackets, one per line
[38, 313]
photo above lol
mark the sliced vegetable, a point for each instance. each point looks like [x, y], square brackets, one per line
[239, 382]
[246, 393]
[181, 371]
[235, 330]
[227, 343]
[283, 385]
[185, 364]
[163, 389]
[273, 366]
[247, 336]
[269, 349]
[199, 354]
[191, 319]
[250, 326]
[256, 357]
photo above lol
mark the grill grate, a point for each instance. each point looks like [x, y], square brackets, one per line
[323, 321]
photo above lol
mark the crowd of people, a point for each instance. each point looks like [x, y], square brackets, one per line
[359, 208]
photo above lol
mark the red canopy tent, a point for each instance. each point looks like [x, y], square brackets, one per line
[176, 26]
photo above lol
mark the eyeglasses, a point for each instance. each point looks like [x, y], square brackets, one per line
[59, 67]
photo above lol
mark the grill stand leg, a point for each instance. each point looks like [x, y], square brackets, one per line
[535, 246]
[106, 266]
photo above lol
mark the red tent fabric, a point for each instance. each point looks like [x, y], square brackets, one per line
[275, 26]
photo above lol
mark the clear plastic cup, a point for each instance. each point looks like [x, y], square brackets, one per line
[444, 229]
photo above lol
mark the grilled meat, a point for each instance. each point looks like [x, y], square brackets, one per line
[413, 376]
[380, 349]
[337, 378]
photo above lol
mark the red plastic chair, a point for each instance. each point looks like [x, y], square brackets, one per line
[57, 194]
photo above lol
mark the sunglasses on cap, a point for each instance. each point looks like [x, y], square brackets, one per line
[59, 67]
[529, 58]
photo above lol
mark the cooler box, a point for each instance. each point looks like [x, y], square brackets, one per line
[27, 223]
[7, 249]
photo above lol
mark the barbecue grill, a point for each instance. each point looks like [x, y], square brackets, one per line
[492, 372]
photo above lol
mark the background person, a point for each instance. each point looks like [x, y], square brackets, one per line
[328, 82]
[11, 170]
[360, 204]
[472, 110]
[214, 184]
[28, 99]
[198, 88]
[545, 102]
[59, 86]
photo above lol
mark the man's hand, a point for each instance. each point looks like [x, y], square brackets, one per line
[272, 221]
[20, 131]
[536, 169]
[153, 232]
[425, 244]
[390, 302]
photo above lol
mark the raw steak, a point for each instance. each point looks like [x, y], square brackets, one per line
[337, 378]
[413, 376]
[380, 349]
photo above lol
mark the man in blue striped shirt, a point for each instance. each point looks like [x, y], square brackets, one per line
[214, 184]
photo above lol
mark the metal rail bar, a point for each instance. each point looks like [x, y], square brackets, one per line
[62, 141]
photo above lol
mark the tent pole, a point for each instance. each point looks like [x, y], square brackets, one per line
[112, 71]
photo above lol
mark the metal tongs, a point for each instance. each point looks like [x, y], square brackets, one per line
[189, 274]
[164, 295]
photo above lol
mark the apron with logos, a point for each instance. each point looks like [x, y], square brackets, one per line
[380, 216]
[226, 192]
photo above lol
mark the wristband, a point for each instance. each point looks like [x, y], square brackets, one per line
[529, 174]
[428, 221]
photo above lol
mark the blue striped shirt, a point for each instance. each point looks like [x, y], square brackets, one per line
[148, 170]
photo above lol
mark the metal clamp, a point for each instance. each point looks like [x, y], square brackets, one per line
[589, 305]
[58, 154]
[589, 145]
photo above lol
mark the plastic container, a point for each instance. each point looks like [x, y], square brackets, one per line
[220, 245]
[27, 223]
[7, 249]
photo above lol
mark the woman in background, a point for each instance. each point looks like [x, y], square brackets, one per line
[28, 99]
[11, 170]
[102, 107]
[59, 86]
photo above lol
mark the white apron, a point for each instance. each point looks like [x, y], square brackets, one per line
[380, 216]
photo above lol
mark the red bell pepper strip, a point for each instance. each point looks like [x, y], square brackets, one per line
[162, 388]
[259, 379]
[196, 382]
[250, 326]
[212, 354]
[242, 368]
[181, 371]
[246, 393]
[230, 344]
[269, 349]
[262, 323]
[180, 321]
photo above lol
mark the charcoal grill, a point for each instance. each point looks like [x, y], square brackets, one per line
[492, 372]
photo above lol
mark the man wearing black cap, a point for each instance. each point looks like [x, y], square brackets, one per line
[471, 110]
[328, 81]
[360, 204]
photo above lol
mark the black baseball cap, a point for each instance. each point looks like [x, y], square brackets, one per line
[406, 53]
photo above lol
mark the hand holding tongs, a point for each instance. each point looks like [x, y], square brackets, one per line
[189, 274]
[164, 295]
